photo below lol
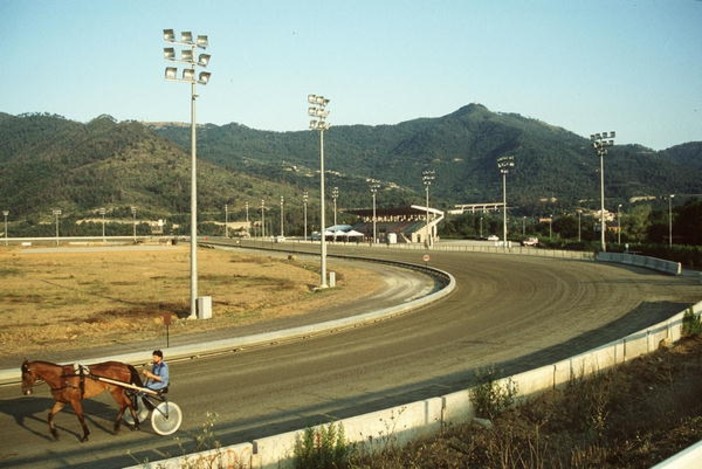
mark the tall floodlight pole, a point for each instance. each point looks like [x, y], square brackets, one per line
[504, 164]
[305, 198]
[57, 214]
[5, 213]
[335, 196]
[318, 111]
[580, 238]
[102, 212]
[263, 218]
[374, 185]
[282, 203]
[188, 57]
[670, 220]
[600, 142]
[427, 177]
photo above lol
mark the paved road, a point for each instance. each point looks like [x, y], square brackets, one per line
[512, 312]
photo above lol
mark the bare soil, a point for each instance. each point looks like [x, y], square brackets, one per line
[61, 300]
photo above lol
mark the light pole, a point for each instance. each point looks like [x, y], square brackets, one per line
[134, 212]
[305, 197]
[580, 238]
[600, 142]
[550, 227]
[374, 186]
[318, 111]
[619, 224]
[57, 214]
[335, 195]
[427, 177]
[282, 202]
[247, 219]
[670, 220]
[5, 213]
[263, 219]
[102, 212]
[504, 164]
[226, 221]
[523, 227]
[188, 57]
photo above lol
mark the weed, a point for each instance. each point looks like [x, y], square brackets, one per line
[489, 397]
[692, 324]
[321, 448]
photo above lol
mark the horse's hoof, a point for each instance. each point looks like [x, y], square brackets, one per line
[84, 439]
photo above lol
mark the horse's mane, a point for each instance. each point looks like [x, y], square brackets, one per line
[136, 379]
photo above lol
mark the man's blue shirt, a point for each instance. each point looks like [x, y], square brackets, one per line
[160, 370]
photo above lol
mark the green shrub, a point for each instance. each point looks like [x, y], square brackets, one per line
[692, 324]
[490, 398]
[322, 448]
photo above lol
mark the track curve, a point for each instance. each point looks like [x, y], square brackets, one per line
[509, 311]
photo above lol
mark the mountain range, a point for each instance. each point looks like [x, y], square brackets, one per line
[47, 162]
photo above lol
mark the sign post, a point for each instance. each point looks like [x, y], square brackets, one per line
[167, 323]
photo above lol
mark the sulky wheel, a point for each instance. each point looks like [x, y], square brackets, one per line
[166, 418]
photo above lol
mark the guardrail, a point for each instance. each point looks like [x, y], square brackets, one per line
[426, 417]
[421, 418]
[653, 263]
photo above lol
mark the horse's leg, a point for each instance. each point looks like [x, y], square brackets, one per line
[55, 409]
[124, 402]
[78, 409]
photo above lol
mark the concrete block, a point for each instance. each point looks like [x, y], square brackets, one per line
[458, 407]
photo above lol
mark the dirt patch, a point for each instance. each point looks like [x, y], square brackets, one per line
[60, 300]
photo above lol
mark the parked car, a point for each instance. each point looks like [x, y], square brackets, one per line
[530, 241]
[493, 238]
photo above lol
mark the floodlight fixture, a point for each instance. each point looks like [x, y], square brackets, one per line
[186, 37]
[187, 55]
[168, 35]
[204, 78]
[171, 73]
[202, 41]
[203, 60]
[169, 53]
[188, 75]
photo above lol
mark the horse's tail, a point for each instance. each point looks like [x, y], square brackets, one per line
[135, 379]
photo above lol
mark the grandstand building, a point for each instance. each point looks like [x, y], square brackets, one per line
[399, 225]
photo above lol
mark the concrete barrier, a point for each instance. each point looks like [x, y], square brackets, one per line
[400, 424]
[653, 263]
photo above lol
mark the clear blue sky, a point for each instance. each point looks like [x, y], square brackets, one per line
[631, 66]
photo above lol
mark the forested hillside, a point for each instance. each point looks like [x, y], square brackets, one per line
[49, 162]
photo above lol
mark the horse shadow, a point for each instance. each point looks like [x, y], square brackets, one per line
[30, 414]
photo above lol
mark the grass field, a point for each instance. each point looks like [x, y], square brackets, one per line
[58, 300]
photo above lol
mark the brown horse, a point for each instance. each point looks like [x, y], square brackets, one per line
[70, 384]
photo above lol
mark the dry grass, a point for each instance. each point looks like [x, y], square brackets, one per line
[53, 301]
[634, 416]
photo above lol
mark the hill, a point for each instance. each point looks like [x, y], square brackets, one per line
[47, 161]
[462, 148]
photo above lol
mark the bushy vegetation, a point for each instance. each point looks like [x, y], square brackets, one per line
[48, 162]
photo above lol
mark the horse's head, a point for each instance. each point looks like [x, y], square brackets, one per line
[28, 378]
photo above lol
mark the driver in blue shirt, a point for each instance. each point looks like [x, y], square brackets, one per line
[157, 378]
